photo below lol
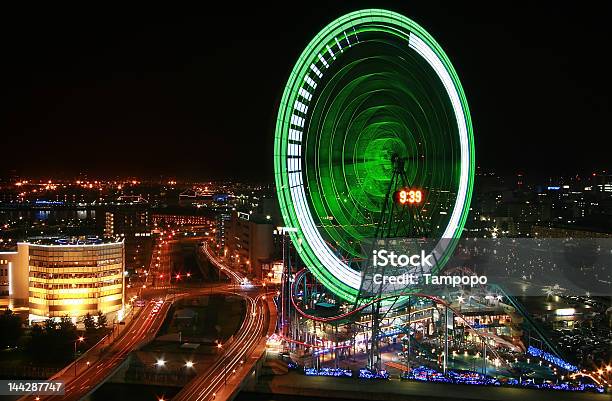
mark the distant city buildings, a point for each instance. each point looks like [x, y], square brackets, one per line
[176, 219]
[240, 219]
[502, 207]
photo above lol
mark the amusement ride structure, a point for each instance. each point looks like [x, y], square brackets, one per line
[373, 147]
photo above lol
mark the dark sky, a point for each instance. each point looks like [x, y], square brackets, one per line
[193, 93]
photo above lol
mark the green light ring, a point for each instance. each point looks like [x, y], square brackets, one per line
[326, 36]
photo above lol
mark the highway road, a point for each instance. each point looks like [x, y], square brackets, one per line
[234, 354]
[143, 329]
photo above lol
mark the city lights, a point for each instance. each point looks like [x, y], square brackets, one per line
[361, 243]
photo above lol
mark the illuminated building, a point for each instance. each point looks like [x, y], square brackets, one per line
[272, 271]
[4, 277]
[15, 274]
[250, 241]
[56, 277]
[223, 222]
[129, 218]
[181, 219]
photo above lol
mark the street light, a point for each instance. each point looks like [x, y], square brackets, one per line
[219, 346]
[80, 339]
[160, 362]
[189, 364]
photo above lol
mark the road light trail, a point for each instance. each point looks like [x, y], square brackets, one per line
[235, 276]
[143, 329]
[233, 357]
[248, 337]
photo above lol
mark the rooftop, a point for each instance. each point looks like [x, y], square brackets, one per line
[71, 241]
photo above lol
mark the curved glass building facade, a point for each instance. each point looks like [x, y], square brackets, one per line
[75, 279]
[54, 277]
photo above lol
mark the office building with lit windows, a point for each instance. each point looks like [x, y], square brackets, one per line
[128, 217]
[250, 243]
[56, 277]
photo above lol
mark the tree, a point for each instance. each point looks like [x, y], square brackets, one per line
[11, 329]
[101, 320]
[50, 325]
[66, 332]
[38, 344]
[66, 326]
[89, 322]
[53, 340]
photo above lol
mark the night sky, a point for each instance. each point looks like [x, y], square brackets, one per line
[194, 93]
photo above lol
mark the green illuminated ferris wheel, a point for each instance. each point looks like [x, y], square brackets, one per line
[373, 139]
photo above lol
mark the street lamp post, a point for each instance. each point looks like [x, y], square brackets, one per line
[220, 346]
[80, 339]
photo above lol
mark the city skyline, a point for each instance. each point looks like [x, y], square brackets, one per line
[374, 200]
[161, 93]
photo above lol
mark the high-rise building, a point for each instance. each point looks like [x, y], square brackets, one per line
[129, 218]
[249, 242]
[54, 277]
[223, 224]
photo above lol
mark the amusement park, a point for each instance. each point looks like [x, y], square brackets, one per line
[374, 150]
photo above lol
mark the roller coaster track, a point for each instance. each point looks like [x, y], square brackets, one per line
[532, 323]
[436, 300]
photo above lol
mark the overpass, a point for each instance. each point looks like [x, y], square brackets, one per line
[243, 356]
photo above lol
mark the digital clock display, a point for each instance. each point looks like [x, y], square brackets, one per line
[409, 196]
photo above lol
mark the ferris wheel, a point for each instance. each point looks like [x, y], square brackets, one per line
[373, 140]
